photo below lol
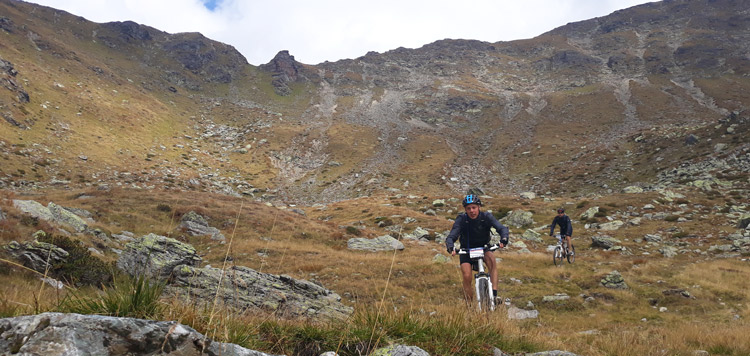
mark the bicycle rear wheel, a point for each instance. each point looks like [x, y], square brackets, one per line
[557, 256]
[572, 256]
[485, 295]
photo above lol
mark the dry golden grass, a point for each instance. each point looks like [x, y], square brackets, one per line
[313, 247]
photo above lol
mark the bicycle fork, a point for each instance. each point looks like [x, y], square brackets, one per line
[479, 292]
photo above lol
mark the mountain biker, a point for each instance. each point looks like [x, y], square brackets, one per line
[566, 228]
[472, 229]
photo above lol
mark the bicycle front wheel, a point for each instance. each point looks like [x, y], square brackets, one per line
[557, 256]
[572, 254]
[485, 303]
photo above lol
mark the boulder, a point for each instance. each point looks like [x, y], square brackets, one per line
[612, 225]
[520, 314]
[196, 225]
[614, 280]
[33, 208]
[552, 353]
[603, 241]
[519, 218]
[668, 251]
[75, 334]
[63, 216]
[652, 238]
[381, 243]
[35, 254]
[156, 256]
[589, 213]
[528, 195]
[441, 258]
[633, 189]
[744, 221]
[400, 350]
[531, 235]
[243, 288]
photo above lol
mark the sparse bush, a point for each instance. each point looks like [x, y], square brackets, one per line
[600, 214]
[671, 218]
[681, 201]
[680, 234]
[164, 207]
[352, 230]
[582, 204]
[80, 268]
[501, 212]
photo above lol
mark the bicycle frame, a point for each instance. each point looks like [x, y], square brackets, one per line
[481, 278]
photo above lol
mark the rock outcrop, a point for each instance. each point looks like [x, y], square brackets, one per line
[243, 288]
[75, 334]
[156, 256]
[381, 243]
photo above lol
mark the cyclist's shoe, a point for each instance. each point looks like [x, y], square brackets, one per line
[507, 301]
[570, 253]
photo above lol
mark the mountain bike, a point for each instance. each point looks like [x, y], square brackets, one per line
[482, 283]
[561, 252]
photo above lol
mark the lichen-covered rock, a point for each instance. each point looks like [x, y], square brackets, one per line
[603, 241]
[62, 216]
[400, 350]
[156, 256]
[519, 218]
[33, 208]
[35, 254]
[196, 225]
[612, 225]
[589, 213]
[531, 235]
[76, 334]
[614, 280]
[381, 243]
[243, 288]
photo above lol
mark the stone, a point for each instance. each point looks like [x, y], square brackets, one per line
[441, 258]
[196, 225]
[589, 213]
[242, 288]
[633, 189]
[528, 195]
[603, 241]
[156, 256]
[381, 243]
[76, 334]
[668, 251]
[614, 280]
[515, 313]
[519, 218]
[531, 235]
[399, 350]
[35, 254]
[612, 225]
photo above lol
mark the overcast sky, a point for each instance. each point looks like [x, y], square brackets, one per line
[314, 31]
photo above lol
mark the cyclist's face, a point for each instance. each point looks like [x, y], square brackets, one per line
[472, 210]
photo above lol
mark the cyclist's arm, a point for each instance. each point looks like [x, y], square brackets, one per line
[552, 227]
[453, 235]
[569, 231]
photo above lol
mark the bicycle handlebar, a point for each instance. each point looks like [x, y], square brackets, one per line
[463, 251]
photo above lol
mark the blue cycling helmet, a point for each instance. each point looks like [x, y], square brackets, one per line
[471, 199]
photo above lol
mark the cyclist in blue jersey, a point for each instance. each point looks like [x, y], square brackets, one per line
[472, 229]
[566, 228]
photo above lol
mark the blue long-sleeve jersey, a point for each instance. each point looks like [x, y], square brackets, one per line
[475, 232]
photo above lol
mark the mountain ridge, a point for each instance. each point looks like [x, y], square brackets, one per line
[428, 119]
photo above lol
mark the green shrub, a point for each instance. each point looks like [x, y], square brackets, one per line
[671, 218]
[134, 297]
[582, 204]
[164, 207]
[80, 268]
[501, 212]
[353, 231]
[681, 201]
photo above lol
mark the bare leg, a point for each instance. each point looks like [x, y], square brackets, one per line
[466, 280]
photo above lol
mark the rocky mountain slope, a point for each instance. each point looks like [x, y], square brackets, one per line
[600, 104]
